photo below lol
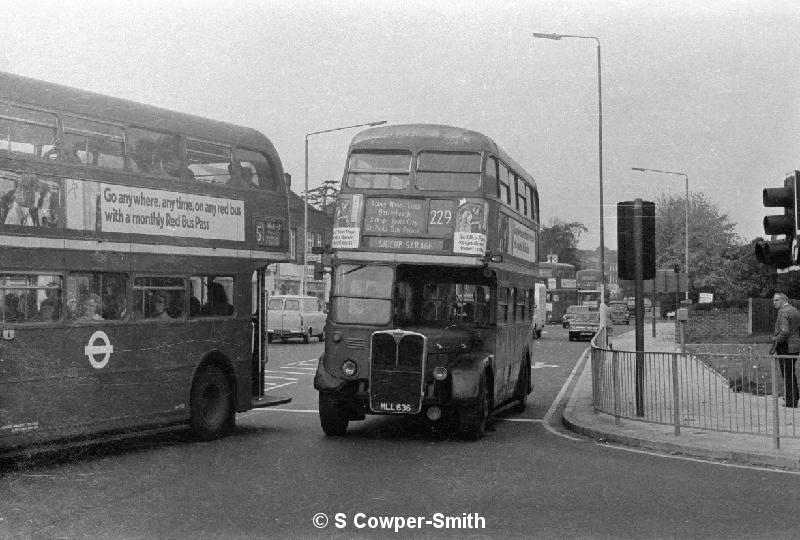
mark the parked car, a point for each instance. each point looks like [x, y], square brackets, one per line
[570, 314]
[619, 312]
[584, 325]
[293, 316]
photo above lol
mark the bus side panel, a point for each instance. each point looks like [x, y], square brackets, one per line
[69, 388]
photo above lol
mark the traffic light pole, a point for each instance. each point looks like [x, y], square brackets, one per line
[638, 288]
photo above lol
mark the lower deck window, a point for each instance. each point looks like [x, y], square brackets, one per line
[210, 296]
[30, 298]
[97, 296]
[159, 297]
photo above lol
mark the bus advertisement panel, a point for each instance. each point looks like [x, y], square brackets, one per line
[433, 284]
[133, 244]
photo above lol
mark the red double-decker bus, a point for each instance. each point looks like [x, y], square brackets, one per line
[133, 243]
[435, 246]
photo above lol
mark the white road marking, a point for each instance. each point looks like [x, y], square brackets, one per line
[276, 377]
[540, 365]
[559, 397]
[282, 371]
[275, 386]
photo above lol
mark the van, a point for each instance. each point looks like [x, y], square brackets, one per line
[295, 316]
[619, 312]
[539, 309]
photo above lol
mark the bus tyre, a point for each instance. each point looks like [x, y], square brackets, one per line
[332, 417]
[523, 384]
[211, 404]
[472, 419]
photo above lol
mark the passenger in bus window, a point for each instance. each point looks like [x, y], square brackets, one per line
[11, 312]
[218, 301]
[17, 214]
[90, 308]
[50, 308]
[159, 306]
[481, 305]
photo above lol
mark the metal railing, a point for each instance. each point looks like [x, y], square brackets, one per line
[737, 393]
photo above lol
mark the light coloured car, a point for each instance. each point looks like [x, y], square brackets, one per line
[571, 313]
[584, 325]
[295, 316]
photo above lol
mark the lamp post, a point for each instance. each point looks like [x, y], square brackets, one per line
[686, 211]
[557, 37]
[305, 196]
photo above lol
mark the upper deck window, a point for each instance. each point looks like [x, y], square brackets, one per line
[255, 170]
[92, 143]
[210, 162]
[151, 152]
[438, 171]
[374, 170]
[490, 175]
[26, 131]
[522, 196]
[504, 185]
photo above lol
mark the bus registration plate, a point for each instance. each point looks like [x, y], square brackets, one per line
[395, 407]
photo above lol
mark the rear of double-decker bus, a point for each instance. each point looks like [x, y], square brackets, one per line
[133, 243]
[419, 323]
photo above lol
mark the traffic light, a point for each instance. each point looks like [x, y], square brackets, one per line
[626, 260]
[781, 252]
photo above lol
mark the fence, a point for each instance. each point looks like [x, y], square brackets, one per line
[736, 393]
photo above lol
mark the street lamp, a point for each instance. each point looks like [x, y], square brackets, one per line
[686, 211]
[557, 37]
[305, 197]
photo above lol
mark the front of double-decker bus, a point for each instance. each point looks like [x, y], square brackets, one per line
[409, 326]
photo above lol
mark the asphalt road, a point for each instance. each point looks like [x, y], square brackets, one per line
[278, 471]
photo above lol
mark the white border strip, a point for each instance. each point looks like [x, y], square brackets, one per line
[39, 242]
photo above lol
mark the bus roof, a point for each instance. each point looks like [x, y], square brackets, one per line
[55, 97]
[430, 137]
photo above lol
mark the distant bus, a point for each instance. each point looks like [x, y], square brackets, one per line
[562, 289]
[133, 241]
[432, 299]
[589, 287]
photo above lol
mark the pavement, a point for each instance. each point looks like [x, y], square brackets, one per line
[742, 448]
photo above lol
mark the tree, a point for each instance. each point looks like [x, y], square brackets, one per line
[712, 239]
[324, 196]
[561, 238]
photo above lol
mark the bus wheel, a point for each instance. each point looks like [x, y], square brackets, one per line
[332, 417]
[307, 336]
[472, 419]
[212, 414]
[523, 383]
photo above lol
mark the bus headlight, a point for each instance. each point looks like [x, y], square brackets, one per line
[440, 373]
[349, 368]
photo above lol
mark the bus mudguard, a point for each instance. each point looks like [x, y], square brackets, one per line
[466, 375]
[324, 380]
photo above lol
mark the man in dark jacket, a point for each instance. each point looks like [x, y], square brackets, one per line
[786, 344]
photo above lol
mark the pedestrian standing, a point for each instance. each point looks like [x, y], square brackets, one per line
[786, 344]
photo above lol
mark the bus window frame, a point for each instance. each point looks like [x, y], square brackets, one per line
[479, 172]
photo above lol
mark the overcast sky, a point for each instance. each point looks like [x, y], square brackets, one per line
[709, 88]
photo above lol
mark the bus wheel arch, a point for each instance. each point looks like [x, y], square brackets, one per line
[212, 403]
[473, 418]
